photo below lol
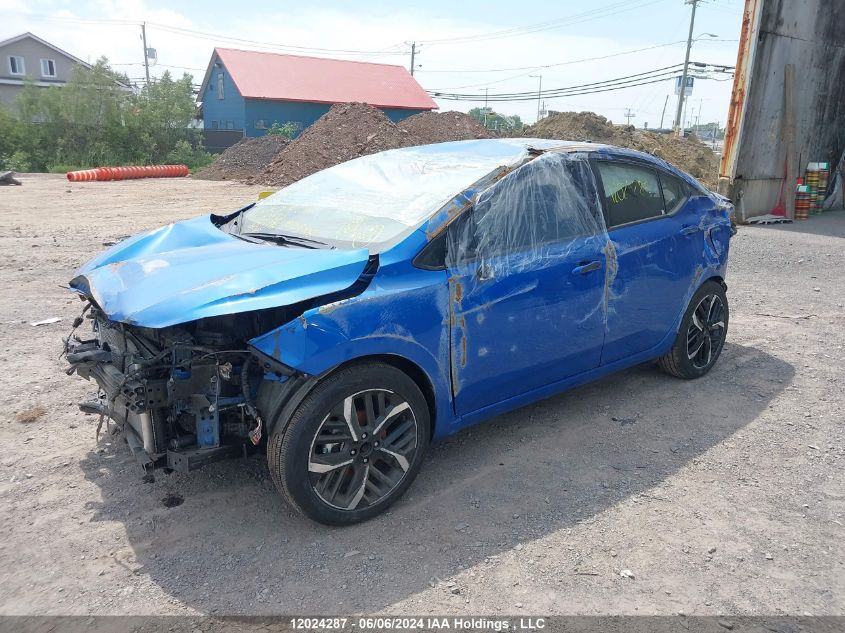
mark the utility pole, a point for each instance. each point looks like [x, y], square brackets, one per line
[146, 61]
[680, 111]
[539, 93]
[629, 115]
[485, 106]
[665, 103]
[413, 55]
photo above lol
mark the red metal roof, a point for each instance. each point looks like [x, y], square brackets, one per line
[314, 79]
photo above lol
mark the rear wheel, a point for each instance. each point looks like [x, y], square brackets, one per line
[701, 336]
[353, 446]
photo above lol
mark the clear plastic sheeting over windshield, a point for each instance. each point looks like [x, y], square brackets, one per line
[372, 201]
[527, 219]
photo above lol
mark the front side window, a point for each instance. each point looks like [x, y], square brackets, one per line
[16, 65]
[520, 219]
[631, 193]
[48, 68]
[220, 93]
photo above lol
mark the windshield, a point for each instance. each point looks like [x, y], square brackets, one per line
[373, 201]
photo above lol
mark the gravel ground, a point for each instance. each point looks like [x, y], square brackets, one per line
[719, 496]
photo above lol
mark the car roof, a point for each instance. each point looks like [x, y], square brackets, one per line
[601, 150]
[521, 145]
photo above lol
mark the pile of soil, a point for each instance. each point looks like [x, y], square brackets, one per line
[439, 127]
[244, 159]
[350, 130]
[346, 131]
[688, 154]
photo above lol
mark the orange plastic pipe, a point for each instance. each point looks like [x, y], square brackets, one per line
[129, 172]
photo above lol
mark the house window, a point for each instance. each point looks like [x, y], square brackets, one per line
[220, 94]
[214, 125]
[260, 124]
[16, 65]
[48, 68]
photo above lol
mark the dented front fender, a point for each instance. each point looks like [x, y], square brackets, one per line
[403, 314]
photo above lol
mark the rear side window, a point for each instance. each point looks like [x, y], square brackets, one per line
[631, 193]
[675, 192]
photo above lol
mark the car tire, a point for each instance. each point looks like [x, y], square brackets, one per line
[340, 460]
[701, 336]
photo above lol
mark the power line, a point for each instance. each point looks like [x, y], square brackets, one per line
[619, 83]
[667, 70]
[530, 69]
[555, 64]
[291, 47]
[211, 36]
[593, 14]
[531, 97]
[157, 65]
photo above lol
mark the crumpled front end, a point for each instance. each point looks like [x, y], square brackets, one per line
[172, 313]
[183, 396]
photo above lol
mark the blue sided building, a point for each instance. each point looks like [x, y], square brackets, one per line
[244, 92]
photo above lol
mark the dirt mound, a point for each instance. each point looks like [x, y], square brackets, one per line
[245, 158]
[688, 154]
[346, 131]
[574, 126]
[439, 127]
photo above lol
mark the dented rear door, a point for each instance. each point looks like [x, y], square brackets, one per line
[659, 260]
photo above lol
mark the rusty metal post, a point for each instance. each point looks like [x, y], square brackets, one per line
[739, 94]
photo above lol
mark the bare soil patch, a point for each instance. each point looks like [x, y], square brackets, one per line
[439, 127]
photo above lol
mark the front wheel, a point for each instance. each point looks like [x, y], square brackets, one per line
[353, 446]
[702, 334]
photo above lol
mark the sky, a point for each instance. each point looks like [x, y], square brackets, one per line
[466, 47]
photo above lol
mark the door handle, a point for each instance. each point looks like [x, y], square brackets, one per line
[689, 230]
[588, 267]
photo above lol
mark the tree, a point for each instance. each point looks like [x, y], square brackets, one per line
[286, 131]
[162, 113]
[496, 121]
[97, 119]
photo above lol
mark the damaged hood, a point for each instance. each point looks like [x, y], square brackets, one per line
[190, 270]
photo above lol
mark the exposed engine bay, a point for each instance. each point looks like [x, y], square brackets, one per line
[183, 396]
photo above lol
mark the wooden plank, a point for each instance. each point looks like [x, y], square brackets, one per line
[788, 138]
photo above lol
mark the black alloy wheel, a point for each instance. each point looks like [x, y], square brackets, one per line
[353, 445]
[706, 333]
[363, 449]
[702, 333]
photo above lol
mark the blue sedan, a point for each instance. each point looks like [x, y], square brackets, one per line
[351, 318]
